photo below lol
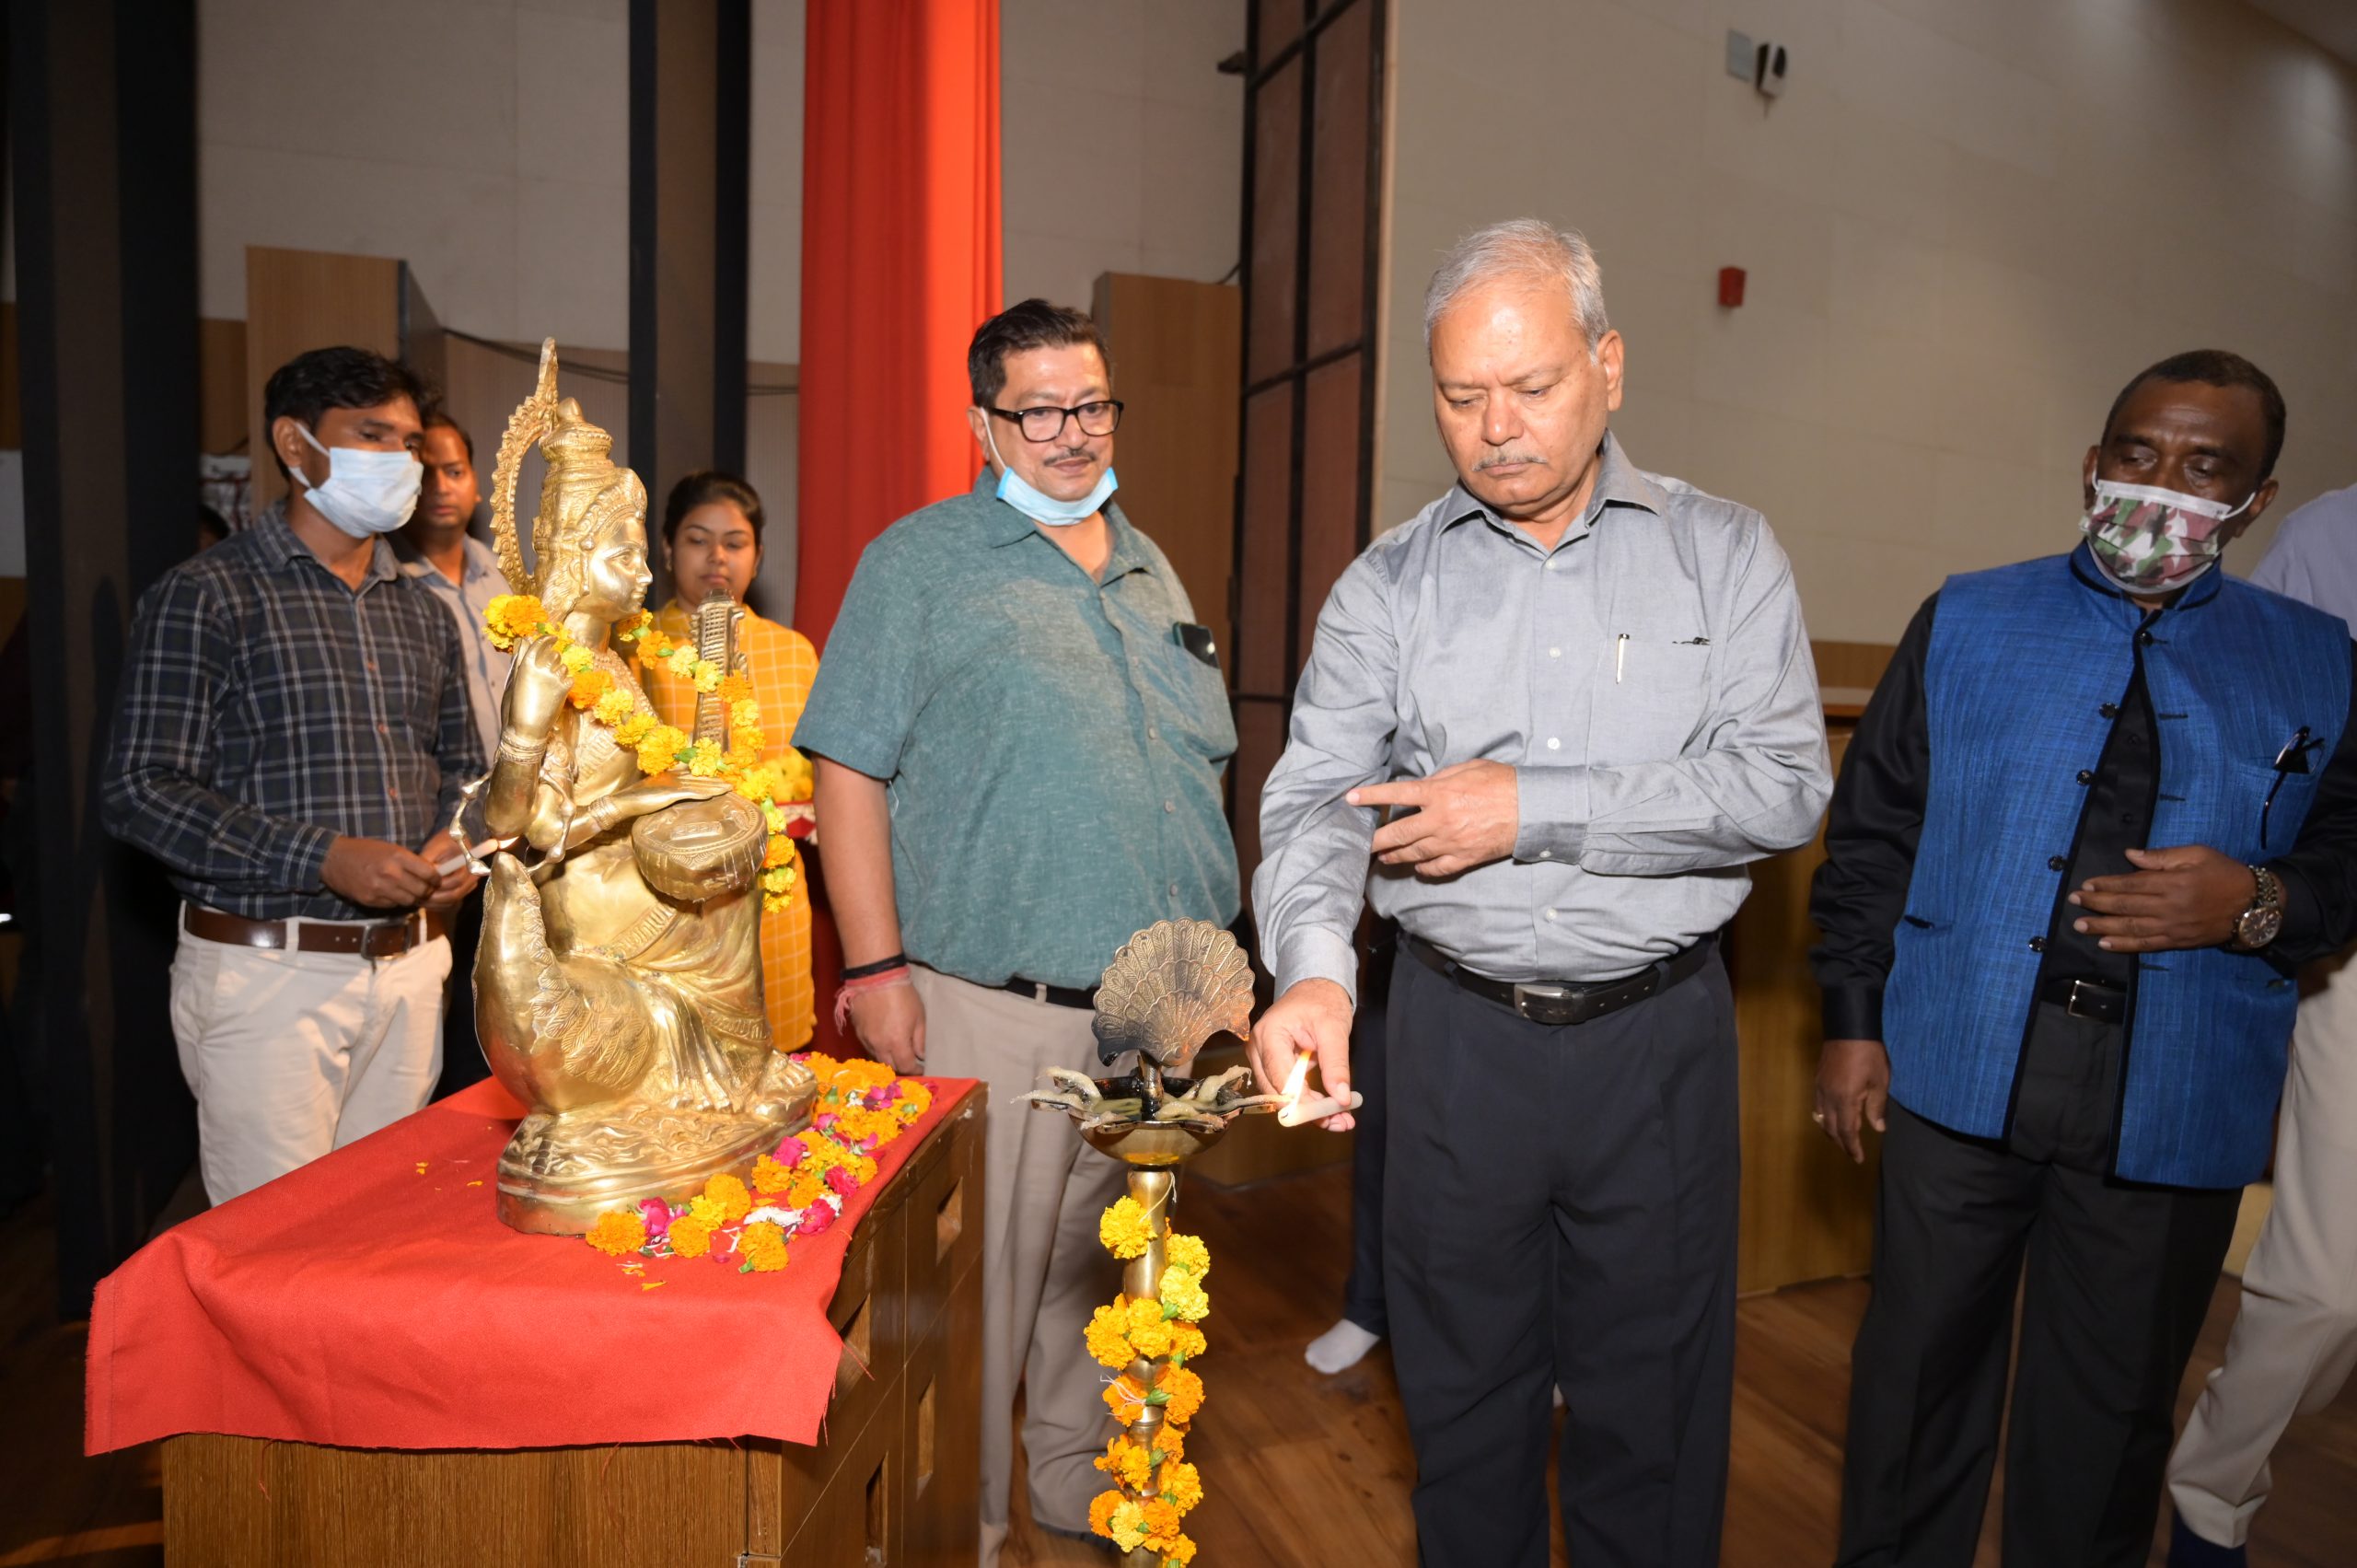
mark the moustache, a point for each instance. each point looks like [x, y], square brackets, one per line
[1502, 459]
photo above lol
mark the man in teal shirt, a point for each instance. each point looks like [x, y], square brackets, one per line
[1019, 733]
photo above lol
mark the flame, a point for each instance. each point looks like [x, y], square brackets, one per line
[1298, 1079]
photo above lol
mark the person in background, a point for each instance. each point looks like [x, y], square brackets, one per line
[712, 544]
[1544, 726]
[1020, 732]
[436, 551]
[2295, 1340]
[292, 734]
[2100, 808]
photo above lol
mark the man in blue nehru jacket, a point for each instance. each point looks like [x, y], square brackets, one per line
[2100, 808]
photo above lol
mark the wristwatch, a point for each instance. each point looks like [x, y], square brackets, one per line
[2259, 925]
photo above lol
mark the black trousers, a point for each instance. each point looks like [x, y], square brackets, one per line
[2114, 1280]
[1560, 1208]
[1363, 1292]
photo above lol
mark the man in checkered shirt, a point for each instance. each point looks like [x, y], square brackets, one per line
[294, 733]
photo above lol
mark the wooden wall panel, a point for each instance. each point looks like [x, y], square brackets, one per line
[1175, 346]
[297, 300]
[1807, 1210]
[1333, 484]
[1265, 561]
[1339, 250]
[1260, 741]
[1277, 23]
[1274, 248]
[225, 414]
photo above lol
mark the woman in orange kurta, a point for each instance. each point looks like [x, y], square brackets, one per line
[711, 542]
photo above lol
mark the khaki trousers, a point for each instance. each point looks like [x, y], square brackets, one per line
[2294, 1341]
[291, 1054]
[1043, 1271]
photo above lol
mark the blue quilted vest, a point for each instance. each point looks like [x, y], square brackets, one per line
[2022, 660]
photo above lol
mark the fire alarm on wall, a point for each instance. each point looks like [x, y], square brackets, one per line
[1730, 286]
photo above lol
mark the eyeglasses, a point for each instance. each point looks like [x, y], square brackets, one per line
[1044, 425]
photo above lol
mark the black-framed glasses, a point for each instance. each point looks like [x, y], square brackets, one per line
[1044, 425]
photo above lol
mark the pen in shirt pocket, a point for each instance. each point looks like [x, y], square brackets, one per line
[1620, 657]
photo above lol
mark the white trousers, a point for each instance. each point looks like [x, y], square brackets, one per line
[2294, 1341]
[291, 1054]
[1044, 1273]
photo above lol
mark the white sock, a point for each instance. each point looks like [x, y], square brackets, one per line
[1340, 1347]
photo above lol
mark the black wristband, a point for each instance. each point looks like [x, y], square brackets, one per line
[882, 966]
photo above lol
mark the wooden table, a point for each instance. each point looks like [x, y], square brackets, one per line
[894, 1481]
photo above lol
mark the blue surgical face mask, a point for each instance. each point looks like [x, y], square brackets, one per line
[367, 491]
[1027, 499]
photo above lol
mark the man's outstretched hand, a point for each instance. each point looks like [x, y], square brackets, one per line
[2187, 896]
[1468, 814]
[1312, 1015]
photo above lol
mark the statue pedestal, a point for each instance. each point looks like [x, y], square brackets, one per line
[895, 1479]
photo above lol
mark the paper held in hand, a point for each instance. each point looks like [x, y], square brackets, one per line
[1297, 1111]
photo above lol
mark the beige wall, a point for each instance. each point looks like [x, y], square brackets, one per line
[1965, 223]
[1123, 146]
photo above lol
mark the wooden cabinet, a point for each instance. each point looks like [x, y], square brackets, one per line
[893, 1480]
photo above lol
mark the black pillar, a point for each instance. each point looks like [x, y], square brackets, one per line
[102, 132]
[691, 113]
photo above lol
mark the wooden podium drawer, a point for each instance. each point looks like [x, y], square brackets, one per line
[943, 1225]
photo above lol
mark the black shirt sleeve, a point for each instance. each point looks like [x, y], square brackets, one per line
[1870, 838]
[2319, 873]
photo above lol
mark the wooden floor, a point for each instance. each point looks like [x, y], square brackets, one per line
[1300, 1468]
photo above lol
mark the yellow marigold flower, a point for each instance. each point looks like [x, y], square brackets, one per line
[807, 1186]
[703, 759]
[1179, 1552]
[659, 748]
[631, 731]
[915, 1093]
[762, 1246]
[1122, 1229]
[614, 707]
[771, 1176]
[688, 1235]
[1100, 1511]
[707, 675]
[1161, 1519]
[796, 779]
[511, 617]
[1184, 1390]
[730, 1194]
[589, 686]
[736, 689]
[1127, 1461]
[681, 661]
[578, 658]
[748, 740]
[1128, 1526]
[707, 1209]
[1170, 1446]
[779, 850]
[1187, 1341]
[1122, 1397]
[776, 820]
[1188, 1252]
[1148, 1328]
[1108, 1345]
[1183, 1296]
[618, 1232]
[1179, 1484]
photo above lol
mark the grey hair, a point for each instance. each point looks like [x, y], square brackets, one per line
[1531, 249]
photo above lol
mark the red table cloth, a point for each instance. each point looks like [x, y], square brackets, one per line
[372, 1299]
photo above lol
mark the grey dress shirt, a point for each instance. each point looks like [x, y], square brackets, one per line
[1650, 681]
[485, 666]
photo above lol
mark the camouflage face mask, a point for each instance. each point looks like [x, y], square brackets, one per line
[2150, 541]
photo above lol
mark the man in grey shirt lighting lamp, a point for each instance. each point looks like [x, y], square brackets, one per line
[1559, 710]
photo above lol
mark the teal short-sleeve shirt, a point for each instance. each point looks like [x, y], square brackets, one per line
[1052, 748]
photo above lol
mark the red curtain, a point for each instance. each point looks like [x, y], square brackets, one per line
[899, 265]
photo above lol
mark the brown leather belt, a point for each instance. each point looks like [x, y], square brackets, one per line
[364, 940]
[1557, 1003]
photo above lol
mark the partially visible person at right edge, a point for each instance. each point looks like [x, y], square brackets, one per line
[2294, 1340]
[2100, 808]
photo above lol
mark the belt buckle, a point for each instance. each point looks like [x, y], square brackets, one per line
[2082, 988]
[1544, 1002]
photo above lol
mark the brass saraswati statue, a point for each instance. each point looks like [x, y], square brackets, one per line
[618, 988]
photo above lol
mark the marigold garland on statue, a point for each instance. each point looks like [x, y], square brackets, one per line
[797, 1192]
[774, 786]
[1154, 1487]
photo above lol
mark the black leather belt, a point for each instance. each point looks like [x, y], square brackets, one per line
[1562, 1002]
[1053, 995]
[2096, 999]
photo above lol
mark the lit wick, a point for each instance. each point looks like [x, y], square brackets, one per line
[1297, 1111]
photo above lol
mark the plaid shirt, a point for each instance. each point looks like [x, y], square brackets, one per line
[269, 708]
